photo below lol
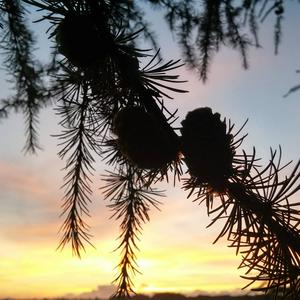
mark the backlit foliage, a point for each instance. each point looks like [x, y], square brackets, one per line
[111, 108]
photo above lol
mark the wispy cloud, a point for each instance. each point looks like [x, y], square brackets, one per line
[20, 180]
[102, 292]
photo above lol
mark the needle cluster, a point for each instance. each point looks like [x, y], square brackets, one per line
[113, 109]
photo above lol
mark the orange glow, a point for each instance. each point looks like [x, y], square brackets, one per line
[176, 253]
[43, 272]
[184, 269]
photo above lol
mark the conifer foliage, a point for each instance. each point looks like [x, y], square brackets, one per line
[111, 108]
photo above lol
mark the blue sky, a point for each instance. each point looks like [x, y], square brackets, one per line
[31, 198]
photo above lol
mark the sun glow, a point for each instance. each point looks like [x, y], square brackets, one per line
[188, 269]
[44, 272]
[176, 251]
[176, 255]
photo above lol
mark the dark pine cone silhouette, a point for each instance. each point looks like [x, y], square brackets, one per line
[129, 69]
[142, 140]
[83, 40]
[207, 148]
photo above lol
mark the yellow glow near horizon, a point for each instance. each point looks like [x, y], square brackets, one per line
[187, 270]
[45, 273]
[176, 255]
[176, 252]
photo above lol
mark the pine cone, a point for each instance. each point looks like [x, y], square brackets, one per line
[82, 40]
[141, 140]
[128, 65]
[207, 148]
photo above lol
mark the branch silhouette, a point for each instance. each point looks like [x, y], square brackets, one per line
[111, 108]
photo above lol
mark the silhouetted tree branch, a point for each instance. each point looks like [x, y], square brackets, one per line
[17, 46]
[113, 109]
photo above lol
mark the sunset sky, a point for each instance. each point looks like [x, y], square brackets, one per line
[176, 250]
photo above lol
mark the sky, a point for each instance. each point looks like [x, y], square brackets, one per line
[176, 249]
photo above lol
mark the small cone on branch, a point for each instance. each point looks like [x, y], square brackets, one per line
[82, 40]
[142, 141]
[128, 65]
[207, 148]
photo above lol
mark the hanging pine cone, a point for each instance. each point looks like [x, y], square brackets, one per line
[207, 148]
[142, 141]
[82, 40]
[128, 65]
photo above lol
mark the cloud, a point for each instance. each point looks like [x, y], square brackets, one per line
[27, 197]
[22, 180]
[32, 234]
[102, 292]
